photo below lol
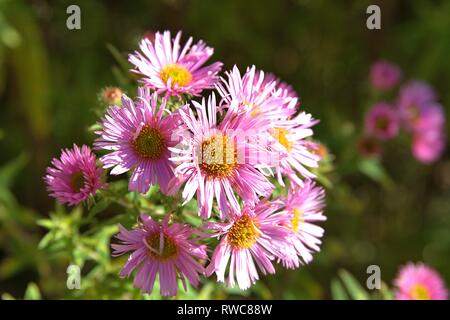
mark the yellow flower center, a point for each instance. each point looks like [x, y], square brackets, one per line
[419, 292]
[281, 135]
[149, 143]
[218, 157]
[169, 249]
[77, 181]
[243, 233]
[297, 218]
[177, 73]
[255, 109]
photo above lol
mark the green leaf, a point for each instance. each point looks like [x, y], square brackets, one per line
[46, 223]
[7, 296]
[374, 170]
[337, 291]
[94, 127]
[355, 290]
[385, 292]
[80, 255]
[32, 292]
[46, 240]
[206, 292]
[98, 207]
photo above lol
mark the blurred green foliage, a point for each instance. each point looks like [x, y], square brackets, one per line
[380, 211]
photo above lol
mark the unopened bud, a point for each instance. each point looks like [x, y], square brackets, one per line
[111, 96]
[320, 150]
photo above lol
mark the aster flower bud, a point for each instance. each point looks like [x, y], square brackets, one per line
[111, 96]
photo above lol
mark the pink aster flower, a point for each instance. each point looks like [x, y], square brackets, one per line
[167, 69]
[413, 99]
[160, 248]
[139, 136]
[428, 147]
[419, 282]
[263, 100]
[282, 88]
[382, 121]
[253, 237]
[432, 118]
[429, 134]
[295, 154]
[384, 75]
[217, 160]
[74, 176]
[305, 208]
[257, 96]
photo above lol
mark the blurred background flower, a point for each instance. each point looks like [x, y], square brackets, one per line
[384, 75]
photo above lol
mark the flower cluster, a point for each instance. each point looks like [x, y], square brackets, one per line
[416, 110]
[424, 117]
[228, 149]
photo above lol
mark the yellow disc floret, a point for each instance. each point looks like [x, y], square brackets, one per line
[243, 233]
[297, 218]
[178, 74]
[419, 292]
[149, 143]
[281, 135]
[253, 108]
[218, 157]
[169, 249]
[77, 181]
